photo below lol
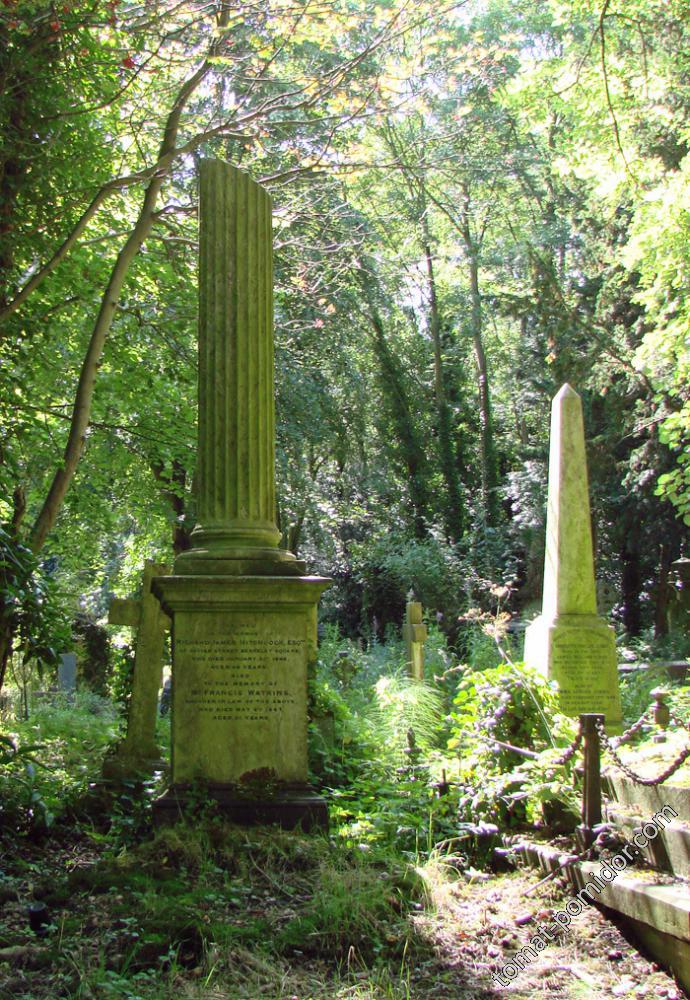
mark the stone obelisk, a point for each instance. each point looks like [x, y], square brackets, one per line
[569, 642]
[243, 612]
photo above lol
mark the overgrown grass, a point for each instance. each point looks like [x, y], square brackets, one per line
[192, 899]
[60, 747]
[209, 910]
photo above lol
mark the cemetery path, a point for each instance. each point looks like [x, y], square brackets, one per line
[479, 927]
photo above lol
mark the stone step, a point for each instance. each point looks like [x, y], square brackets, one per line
[646, 799]
[668, 851]
[655, 907]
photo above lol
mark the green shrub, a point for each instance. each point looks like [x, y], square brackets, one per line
[70, 735]
[510, 706]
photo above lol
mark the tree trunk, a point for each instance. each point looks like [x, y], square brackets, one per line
[6, 639]
[631, 585]
[663, 591]
[6, 623]
[455, 516]
[81, 414]
[393, 388]
[489, 471]
[172, 488]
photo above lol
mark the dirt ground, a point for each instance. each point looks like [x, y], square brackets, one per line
[468, 929]
[477, 928]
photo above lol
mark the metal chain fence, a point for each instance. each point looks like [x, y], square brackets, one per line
[609, 746]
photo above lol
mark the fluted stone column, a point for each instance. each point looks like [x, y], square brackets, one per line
[236, 531]
[569, 642]
[243, 612]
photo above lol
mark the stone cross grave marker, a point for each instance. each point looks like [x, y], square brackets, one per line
[139, 748]
[243, 611]
[67, 673]
[415, 635]
[569, 642]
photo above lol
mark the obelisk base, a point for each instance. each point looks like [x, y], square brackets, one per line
[242, 647]
[579, 652]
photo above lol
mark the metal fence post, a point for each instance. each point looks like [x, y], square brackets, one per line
[591, 787]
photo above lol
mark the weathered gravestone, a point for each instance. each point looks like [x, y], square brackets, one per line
[138, 750]
[243, 612]
[415, 635]
[67, 673]
[569, 642]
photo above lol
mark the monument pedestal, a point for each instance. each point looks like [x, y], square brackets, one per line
[289, 806]
[241, 647]
[579, 652]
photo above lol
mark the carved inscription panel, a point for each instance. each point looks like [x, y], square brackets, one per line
[238, 675]
[240, 695]
[586, 671]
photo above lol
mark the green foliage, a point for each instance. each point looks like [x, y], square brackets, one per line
[636, 691]
[24, 804]
[121, 675]
[209, 887]
[30, 604]
[94, 640]
[510, 217]
[494, 710]
[390, 566]
[58, 750]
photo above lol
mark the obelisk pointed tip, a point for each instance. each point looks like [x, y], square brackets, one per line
[565, 392]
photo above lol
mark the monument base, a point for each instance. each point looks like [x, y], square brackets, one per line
[236, 560]
[291, 807]
[579, 652]
[242, 650]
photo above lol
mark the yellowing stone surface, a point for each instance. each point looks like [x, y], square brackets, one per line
[244, 614]
[569, 642]
[242, 649]
[139, 746]
[237, 531]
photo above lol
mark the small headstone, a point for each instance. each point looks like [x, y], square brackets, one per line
[569, 642]
[139, 750]
[415, 634]
[67, 673]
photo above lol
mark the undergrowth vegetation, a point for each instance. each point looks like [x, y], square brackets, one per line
[419, 778]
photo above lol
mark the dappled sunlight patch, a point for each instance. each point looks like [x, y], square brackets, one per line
[480, 926]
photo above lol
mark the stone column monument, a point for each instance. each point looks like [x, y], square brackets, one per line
[243, 612]
[569, 642]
